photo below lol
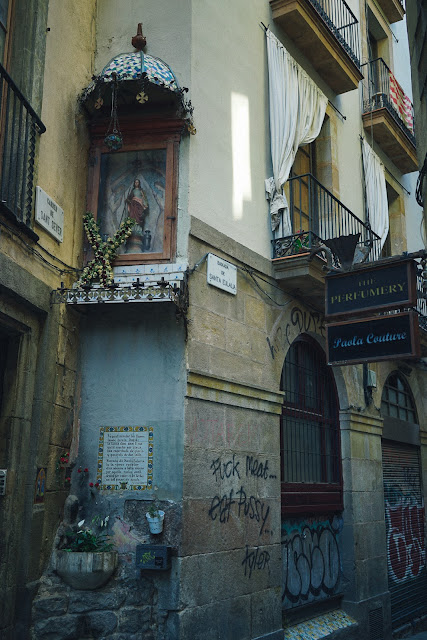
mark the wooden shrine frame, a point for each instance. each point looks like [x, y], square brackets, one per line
[140, 137]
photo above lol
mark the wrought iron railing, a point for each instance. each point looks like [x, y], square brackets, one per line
[422, 301]
[380, 89]
[315, 214]
[340, 19]
[20, 126]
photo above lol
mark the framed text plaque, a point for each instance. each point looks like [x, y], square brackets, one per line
[125, 458]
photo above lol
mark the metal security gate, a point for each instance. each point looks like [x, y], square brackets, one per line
[404, 515]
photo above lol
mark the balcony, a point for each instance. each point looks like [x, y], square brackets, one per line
[394, 10]
[389, 114]
[422, 308]
[327, 32]
[315, 216]
[20, 126]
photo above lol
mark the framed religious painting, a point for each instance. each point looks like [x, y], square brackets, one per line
[138, 181]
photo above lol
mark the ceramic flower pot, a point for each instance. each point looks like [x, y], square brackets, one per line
[156, 522]
[85, 569]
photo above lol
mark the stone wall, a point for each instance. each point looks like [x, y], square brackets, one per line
[126, 609]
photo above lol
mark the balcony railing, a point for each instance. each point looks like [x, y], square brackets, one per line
[316, 215]
[340, 19]
[381, 90]
[422, 302]
[20, 126]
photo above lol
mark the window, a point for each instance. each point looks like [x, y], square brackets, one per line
[303, 165]
[396, 401]
[310, 439]
[6, 10]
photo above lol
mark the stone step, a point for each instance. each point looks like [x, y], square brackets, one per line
[335, 625]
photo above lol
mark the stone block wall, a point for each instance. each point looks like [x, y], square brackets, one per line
[125, 609]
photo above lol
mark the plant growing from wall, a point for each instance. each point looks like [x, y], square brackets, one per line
[155, 517]
[88, 539]
[104, 251]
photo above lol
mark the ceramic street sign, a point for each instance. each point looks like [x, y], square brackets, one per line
[49, 215]
[221, 274]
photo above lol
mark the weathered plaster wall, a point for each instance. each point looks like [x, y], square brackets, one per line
[132, 362]
[37, 420]
[62, 162]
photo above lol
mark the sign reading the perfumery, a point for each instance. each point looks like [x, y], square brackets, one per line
[49, 215]
[377, 288]
[125, 458]
[221, 274]
[373, 339]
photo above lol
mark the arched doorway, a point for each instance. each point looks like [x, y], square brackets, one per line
[311, 482]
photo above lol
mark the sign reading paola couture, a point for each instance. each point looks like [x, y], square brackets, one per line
[376, 288]
[372, 339]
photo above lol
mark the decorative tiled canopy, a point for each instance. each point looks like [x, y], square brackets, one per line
[132, 66]
[139, 78]
[130, 81]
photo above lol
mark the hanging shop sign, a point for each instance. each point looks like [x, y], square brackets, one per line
[221, 274]
[373, 339]
[49, 215]
[375, 289]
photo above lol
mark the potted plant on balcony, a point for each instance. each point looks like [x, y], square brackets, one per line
[155, 517]
[86, 559]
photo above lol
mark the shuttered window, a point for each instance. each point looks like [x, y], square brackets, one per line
[404, 508]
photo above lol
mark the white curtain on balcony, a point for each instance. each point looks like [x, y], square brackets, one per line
[376, 192]
[297, 110]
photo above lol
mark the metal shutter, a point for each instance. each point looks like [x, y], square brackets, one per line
[404, 515]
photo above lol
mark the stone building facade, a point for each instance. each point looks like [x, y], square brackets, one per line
[292, 489]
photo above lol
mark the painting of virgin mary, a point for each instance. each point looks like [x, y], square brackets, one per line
[132, 185]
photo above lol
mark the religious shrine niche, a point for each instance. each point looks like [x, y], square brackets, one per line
[138, 113]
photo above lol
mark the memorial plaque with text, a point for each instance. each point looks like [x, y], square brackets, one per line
[373, 339]
[125, 458]
[379, 287]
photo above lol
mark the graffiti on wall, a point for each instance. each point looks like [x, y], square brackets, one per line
[239, 502]
[300, 320]
[404, 512]
[311, 559]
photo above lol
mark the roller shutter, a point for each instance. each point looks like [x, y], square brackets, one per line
[404, 515]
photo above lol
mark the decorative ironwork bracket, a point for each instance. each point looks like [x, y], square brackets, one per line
[160, 291]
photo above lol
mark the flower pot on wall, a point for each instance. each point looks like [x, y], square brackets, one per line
[85, 569]
[156, 522]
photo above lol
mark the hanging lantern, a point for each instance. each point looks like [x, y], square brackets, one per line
[114, 140]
